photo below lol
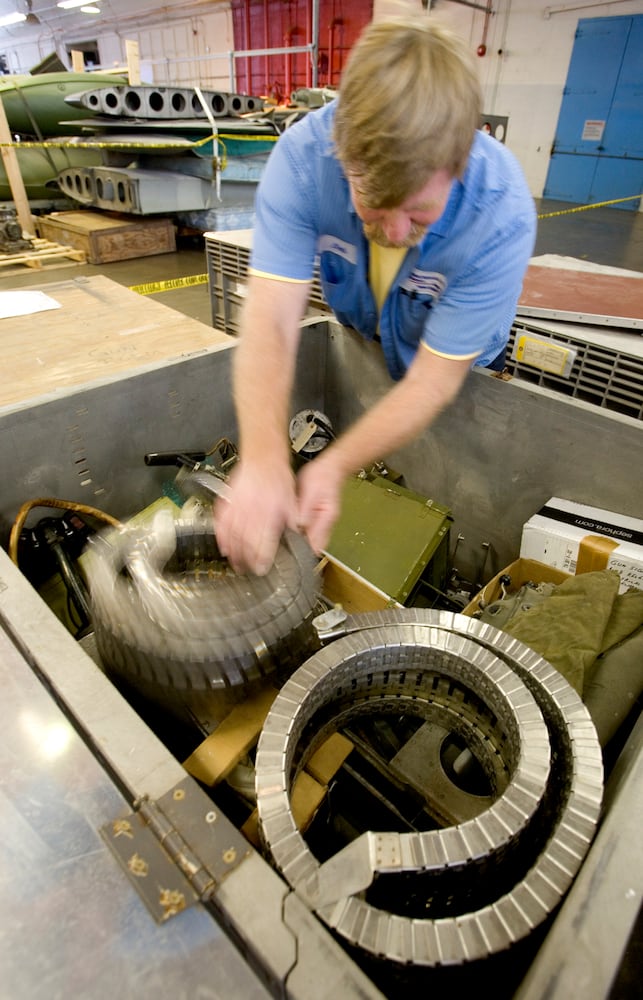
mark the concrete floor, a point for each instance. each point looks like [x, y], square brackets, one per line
[611, 236]
[608, 236]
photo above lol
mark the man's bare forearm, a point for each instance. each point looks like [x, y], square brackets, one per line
[264, 368]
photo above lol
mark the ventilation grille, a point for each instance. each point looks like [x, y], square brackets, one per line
[227, 276]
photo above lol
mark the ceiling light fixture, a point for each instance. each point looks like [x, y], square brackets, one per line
[68, 4]
[31, 17]
[90, 8]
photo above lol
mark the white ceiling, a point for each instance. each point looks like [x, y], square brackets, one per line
[61, 24]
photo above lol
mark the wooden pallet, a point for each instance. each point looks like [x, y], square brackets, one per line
[43, 252]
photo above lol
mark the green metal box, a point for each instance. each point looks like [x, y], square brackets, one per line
[394, 538]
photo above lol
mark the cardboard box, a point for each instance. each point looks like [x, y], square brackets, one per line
[520, 571]
[578, 539]
[342, 585]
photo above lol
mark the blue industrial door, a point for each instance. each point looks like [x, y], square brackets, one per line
[598, 150]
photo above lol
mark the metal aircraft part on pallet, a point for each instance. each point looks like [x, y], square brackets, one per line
[478, 886]
[146, 101]
[139, 192]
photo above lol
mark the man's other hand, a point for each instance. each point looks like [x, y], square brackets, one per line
[249, 523]
[318, 500]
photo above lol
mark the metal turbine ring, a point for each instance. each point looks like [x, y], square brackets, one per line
[560, 823]
[172, 621]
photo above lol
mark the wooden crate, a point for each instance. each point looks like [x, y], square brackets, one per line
[106, 237]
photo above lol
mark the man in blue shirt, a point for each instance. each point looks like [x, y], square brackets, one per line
[422, 228]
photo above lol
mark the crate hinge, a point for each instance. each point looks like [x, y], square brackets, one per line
[176, 851]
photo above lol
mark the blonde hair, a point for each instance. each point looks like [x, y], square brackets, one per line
[408, 105]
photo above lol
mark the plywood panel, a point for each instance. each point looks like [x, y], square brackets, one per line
[101, 330]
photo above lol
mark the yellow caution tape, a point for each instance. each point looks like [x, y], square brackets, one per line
[249, 138]
[151, 287]
[133, 144]
[585, 208]
[125, 144]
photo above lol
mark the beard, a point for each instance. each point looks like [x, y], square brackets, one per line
[374, 232]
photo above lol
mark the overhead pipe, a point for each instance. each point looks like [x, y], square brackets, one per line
[335, 23]
[293, 30]
[308, 34]
[482, 48]
[266, 61]
[246, 27]
[548, 11]
[314, 55]
[474, 6]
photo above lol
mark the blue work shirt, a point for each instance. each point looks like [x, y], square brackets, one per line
[456, 292]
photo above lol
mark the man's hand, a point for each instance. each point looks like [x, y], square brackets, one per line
[319, 495]
[249, 524]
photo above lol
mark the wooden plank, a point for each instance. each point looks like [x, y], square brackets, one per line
[133, 57]
[311, 786]
[307, 796]
[326, 762]
[12, 170]
[220, 752]
[101, 330]
[341, 585]
[43, 252]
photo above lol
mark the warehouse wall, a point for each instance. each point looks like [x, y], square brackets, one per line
[523, 71]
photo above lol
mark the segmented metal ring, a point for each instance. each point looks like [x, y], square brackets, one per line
[488, 881]
[175, 623]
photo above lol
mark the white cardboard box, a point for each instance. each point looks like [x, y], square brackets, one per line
[577, 539]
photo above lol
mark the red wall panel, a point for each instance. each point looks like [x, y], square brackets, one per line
[262, 24]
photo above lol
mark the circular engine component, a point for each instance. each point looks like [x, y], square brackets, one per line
[310, 431]
[175, 623]
[477, 886]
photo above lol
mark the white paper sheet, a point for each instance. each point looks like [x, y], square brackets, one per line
[23, 303]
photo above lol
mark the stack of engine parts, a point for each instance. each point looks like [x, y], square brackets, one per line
[173, 622]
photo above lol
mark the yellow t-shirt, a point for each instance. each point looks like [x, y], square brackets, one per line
[383, 265]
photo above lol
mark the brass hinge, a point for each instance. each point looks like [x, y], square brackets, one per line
[175, 851]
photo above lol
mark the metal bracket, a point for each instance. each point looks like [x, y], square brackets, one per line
[176, 851]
